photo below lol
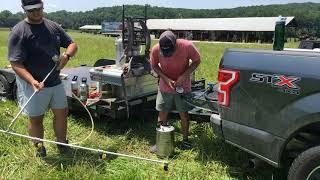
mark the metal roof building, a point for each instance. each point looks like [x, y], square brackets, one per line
[212, 28]
[217, 24]
[91, 28]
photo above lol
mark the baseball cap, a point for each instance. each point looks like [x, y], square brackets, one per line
[167, 43]
[31, 4]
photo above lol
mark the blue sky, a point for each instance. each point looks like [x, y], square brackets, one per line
[84, 5]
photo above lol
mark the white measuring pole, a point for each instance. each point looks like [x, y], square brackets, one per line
[81, 147]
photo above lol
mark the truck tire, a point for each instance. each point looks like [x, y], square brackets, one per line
[4, 87]
[306, 166]
[14, 91]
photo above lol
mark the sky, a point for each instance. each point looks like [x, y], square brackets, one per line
[85, 5]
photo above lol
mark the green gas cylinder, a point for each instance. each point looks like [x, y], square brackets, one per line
[279, 34]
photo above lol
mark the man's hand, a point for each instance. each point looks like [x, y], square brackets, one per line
[63, 60]
[181, 80]
[70, 52]
[167, 80]
[170, 83]
[37, 86]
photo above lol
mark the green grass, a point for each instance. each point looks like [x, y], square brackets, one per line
[211, 158]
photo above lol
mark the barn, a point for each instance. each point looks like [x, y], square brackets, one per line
[96, 29]
[242, 29]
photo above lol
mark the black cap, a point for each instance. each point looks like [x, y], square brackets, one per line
[167, 43]
[31, 4]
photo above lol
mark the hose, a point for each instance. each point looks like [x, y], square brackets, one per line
[75, 145]
[56, 60]
[92, 123]
[206, 96]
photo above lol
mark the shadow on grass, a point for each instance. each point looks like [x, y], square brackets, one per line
[207, 146]
[141, 124]
[79, 156]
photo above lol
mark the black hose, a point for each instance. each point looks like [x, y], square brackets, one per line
[206, 93]
[210, 98]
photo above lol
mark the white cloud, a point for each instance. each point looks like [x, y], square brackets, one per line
[52, 5]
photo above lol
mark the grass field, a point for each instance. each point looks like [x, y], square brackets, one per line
[211, 158]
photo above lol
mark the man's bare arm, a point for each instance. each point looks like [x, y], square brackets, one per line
[187, 73]
[70, 51]
[22, 72]
[158, 70]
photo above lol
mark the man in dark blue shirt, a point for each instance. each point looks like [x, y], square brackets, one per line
[32, 44]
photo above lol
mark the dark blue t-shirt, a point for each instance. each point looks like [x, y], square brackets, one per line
[34, 45]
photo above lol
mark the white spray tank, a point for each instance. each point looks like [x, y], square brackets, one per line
[119, 49]
[75, 86]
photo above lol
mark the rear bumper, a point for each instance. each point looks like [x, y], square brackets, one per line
[216, 123]
[215, 119]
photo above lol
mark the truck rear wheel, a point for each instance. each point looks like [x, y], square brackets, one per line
[306, 166]
[14, 91]
[4, 87]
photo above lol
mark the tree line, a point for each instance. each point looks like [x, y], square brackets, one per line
[307, 15]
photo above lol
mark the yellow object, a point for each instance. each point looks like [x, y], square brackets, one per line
[104, 156]
[39, 145]
[92, 88]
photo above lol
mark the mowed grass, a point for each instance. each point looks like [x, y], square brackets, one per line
[211, 158]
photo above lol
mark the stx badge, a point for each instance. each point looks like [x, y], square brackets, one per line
[286, 84]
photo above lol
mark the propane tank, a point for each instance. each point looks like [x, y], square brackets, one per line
[74, 86]
[119, 49]
[165, 141]
[279, 34]
[83, 90]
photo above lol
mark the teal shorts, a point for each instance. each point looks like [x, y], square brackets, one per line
[167, 102]
[51, 97]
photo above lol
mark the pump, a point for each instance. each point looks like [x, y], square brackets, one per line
[129, 80]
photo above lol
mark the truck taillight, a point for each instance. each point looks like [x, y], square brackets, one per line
[226, 79]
